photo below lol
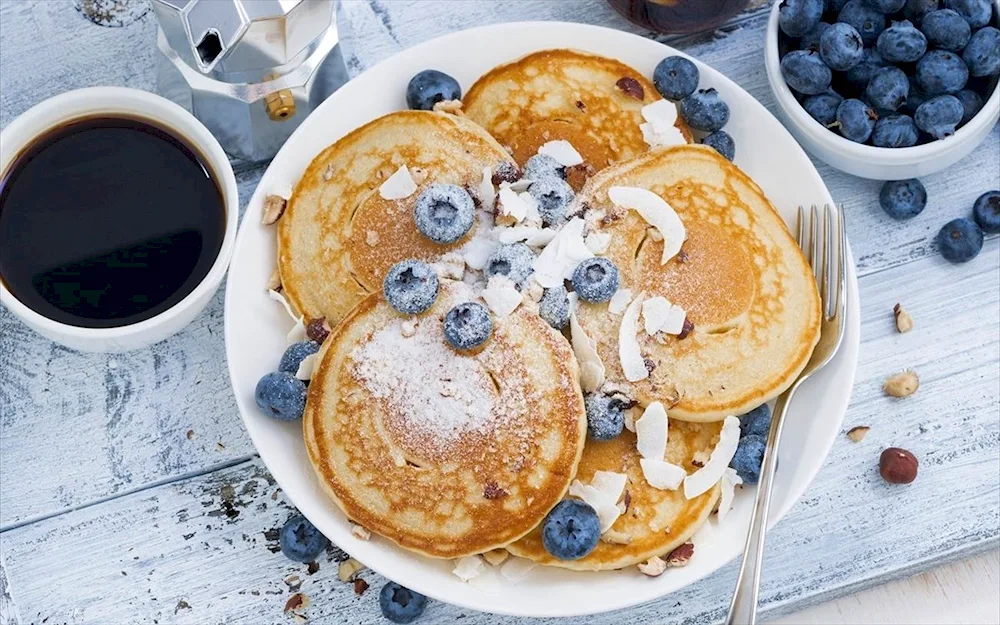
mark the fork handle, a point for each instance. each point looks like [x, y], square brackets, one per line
[743, 609]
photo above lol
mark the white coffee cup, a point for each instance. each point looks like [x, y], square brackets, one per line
[111, 101]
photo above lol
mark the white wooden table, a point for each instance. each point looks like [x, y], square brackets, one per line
[130, 493]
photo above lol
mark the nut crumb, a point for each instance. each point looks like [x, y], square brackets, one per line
[298, 601]
[631, 87]
[686, 329]
[190, 435]
[700, 458]
[858, 433]
[681, 555]
[615, 537]
[359, 532]
[348, 570]
[182, 605]
[328, 173]
[318, 329]
[902, 384]
[274, 208]
[682, 256]
[904, 322]
[371, 238]
[360, 586]
[408, 327]
[580, 105]
[492, 490]
[627, 500]
[496, 557]
[293, 582]
[449, 106]
[299, 618]
[312, 567]
[654, 567]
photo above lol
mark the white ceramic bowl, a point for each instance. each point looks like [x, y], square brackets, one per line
[111, 100]
[865, 160]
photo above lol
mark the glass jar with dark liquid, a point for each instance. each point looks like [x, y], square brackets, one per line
[678, 16]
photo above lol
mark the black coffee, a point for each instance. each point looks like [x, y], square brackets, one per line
[106, 221]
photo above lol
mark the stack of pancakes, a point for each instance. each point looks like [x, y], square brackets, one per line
[452, 454]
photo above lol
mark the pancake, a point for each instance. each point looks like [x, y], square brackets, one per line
[563, 94]
[338, 236]
[444, 454]
[656, 521]
[740, 276]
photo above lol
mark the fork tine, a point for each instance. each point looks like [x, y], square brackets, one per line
[830, 248]
[801, 227]
[814, 244]
[842, 267]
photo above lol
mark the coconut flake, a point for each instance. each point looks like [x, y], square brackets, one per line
[398, 186]
[561, 256]
[487, 192]
[661, 474]
[306, 367]
[729, 481]
[501, 296]
[609, 483]
[531, 215]
[628, 346]
[585, 349]
[659, 129]
[468, 567]
[298, 331]
[655, 210]
[517, 186]
[516, 569]
[602, 494]
[619, 301]
[659, 315]
[674, 322]
[651, 432]
[598, 242]
[563, 151]
[512, 205]
[707, 476]
[477, 252]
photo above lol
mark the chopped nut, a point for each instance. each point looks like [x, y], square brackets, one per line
[904, 322]
[627, 500]
[328, 173]
[492, 490]
[681, 555]
[902, 384]
[897, 466]
[371, 238]
[312, 567]
[631, 87]
[318, 329]
[614, 537]
[654, 567]
[419, 174]
[359, 532]
[580, 105]
[348, 570]
[298, 601]
[274, 207]
[535, 291]
[496, 557]
[700, 458]
[360, 586]
[408, 327]
[190, 434]
[274, 282]
[686, 329]
[858, 433]
[682, 256]
[546, 135]
[293, 582]
[449, 106]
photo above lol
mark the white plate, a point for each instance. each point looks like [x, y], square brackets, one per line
[256, 326]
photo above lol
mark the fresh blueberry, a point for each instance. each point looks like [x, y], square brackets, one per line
[444, 212]
[895, 130]
[901, 43]
[888, 88]
[972, 103]
[915, 10]
[805, 72]
[295, 354]
[810, 40]
[939, 116]
[840, 47]
[595, 280]
[553, 195]
[541, 166]
[513, 260]
[866, 19]
[986, 211]
[300, 540]
[281, 395]
[722, 142]
[940, 71]
[833, 6]
[757, 422]
[946, 29]
[705, 110]
[976, 12]
[960, 240]
[553, 308]
[430, 87]
[675, 77]
[861, 74]
[903, 199]
[400, 604]
[749, 458]
[915, 98]
[797, 17]
[467, 326]
[982, 55]
[605, 417]
[823, 107]
[570, 530]
[888, 6]
[856, 119]
[411, 286]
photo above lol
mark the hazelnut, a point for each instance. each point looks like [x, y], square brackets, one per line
[360, 532]
[904, 322]
[348, 570]
[274, 207]
[897, 466]
[654, 567]
[902, 384]
[631, 87]
[858, 433]
[681, 555]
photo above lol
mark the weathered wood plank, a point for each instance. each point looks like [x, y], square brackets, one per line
[8, 609]
[202, 540]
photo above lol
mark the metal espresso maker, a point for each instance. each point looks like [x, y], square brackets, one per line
[250, 70]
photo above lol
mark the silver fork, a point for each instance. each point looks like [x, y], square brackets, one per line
[824, 243]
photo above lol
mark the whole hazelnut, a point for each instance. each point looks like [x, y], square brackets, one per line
[897, 466]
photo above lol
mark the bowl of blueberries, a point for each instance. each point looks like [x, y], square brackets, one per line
[886, 89]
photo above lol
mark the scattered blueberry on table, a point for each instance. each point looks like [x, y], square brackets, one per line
[444, 213]
[986, 211]
[281, 395]
[300, 540]
[595, 280]
[295, 354]
[411, 286]
[903, 199]
[429, 87]
[605, 416]
[400, 604]
[467, 326]
[960, 240]
[570, 530]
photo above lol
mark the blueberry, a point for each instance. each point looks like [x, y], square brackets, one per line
[605, 417]
[430, 87]
[295, 354]
[915, 98]
[810, 40]
[982, 55]
[823, 107]
[281, 395]
[939, 116]
[722, 142]
[595, 280]
[444, 212]
[797, 17]
[960, 240]
[675, 77]
[903, 199]
[757, 422]
[946, 29]
[895, 130]
[705, 110]
[901, 43]
[915, 10]
[940, 71]
[971, 104]
[553, 308]
[411, 286]
[888, 6]
[841, 47]
[866, 19]
[976, 12]
[553, 195]
[888, 88]
[856, 119]
[833, 6]
[986, 211]
[300, 540]
[805, 72]
[513, 260]
[542, 166]
[861, 74]
[749, 458]
[570, 530]
[400, 604]
[467, 326]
